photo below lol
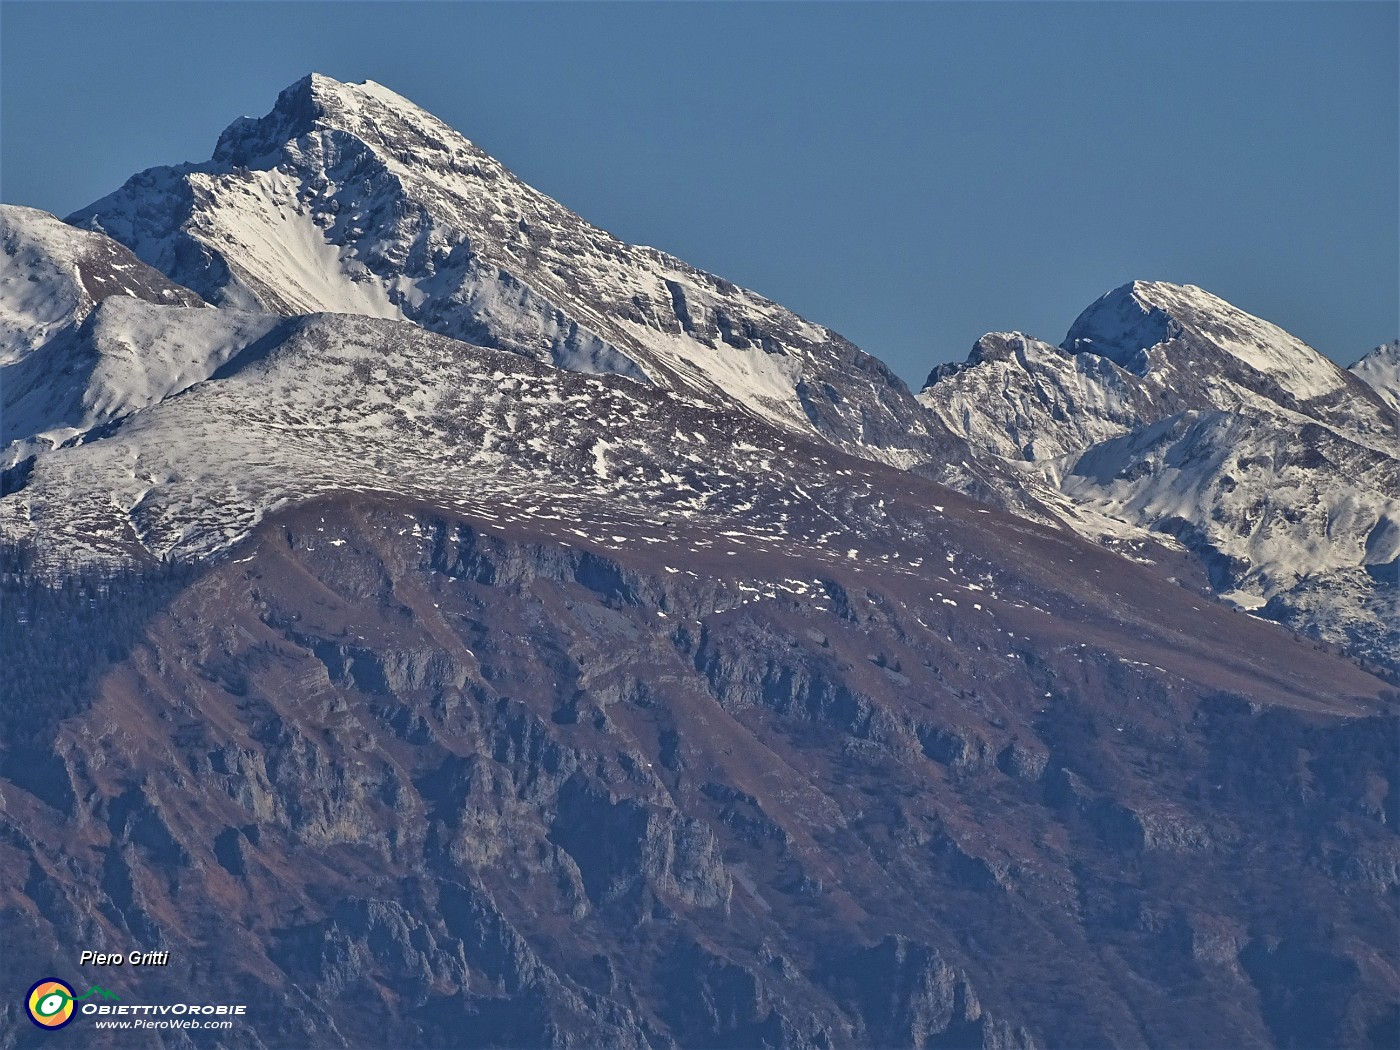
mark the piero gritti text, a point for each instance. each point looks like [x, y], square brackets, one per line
[136, 958]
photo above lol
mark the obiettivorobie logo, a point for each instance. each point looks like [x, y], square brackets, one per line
[51, 1002]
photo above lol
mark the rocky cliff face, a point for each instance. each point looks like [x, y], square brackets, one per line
[394, 770]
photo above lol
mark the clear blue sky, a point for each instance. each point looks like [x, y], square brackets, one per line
[912, 175]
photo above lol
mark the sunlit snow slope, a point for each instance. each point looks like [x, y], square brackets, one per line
[51, 275]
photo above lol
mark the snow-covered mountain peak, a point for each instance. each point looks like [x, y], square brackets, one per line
[1153, 326]
[348, 198]
[378, 117]
[1380, 370]
[1014, 349]
[1168, 412]
[1026, 400]
[1008, 346]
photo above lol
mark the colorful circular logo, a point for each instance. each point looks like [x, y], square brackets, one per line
[50, 1003]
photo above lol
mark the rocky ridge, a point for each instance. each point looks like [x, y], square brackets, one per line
[51, 276]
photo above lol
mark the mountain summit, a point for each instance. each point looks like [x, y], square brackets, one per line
[1380, 370]
[349, 198]
[1130, 322]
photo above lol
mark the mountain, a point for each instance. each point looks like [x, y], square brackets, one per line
[1380, 370]
[334, 402]
[1176, 332]
[1170, 416]
[473, 779]
[349, 198]
[427, 652]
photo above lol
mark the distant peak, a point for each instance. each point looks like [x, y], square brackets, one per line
[1386, 353]
[1005, 346]
[1140, 314]
[1136, 318]
[318, 85]
[1380, 370]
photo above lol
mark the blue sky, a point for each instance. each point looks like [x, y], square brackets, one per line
[912, 175]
